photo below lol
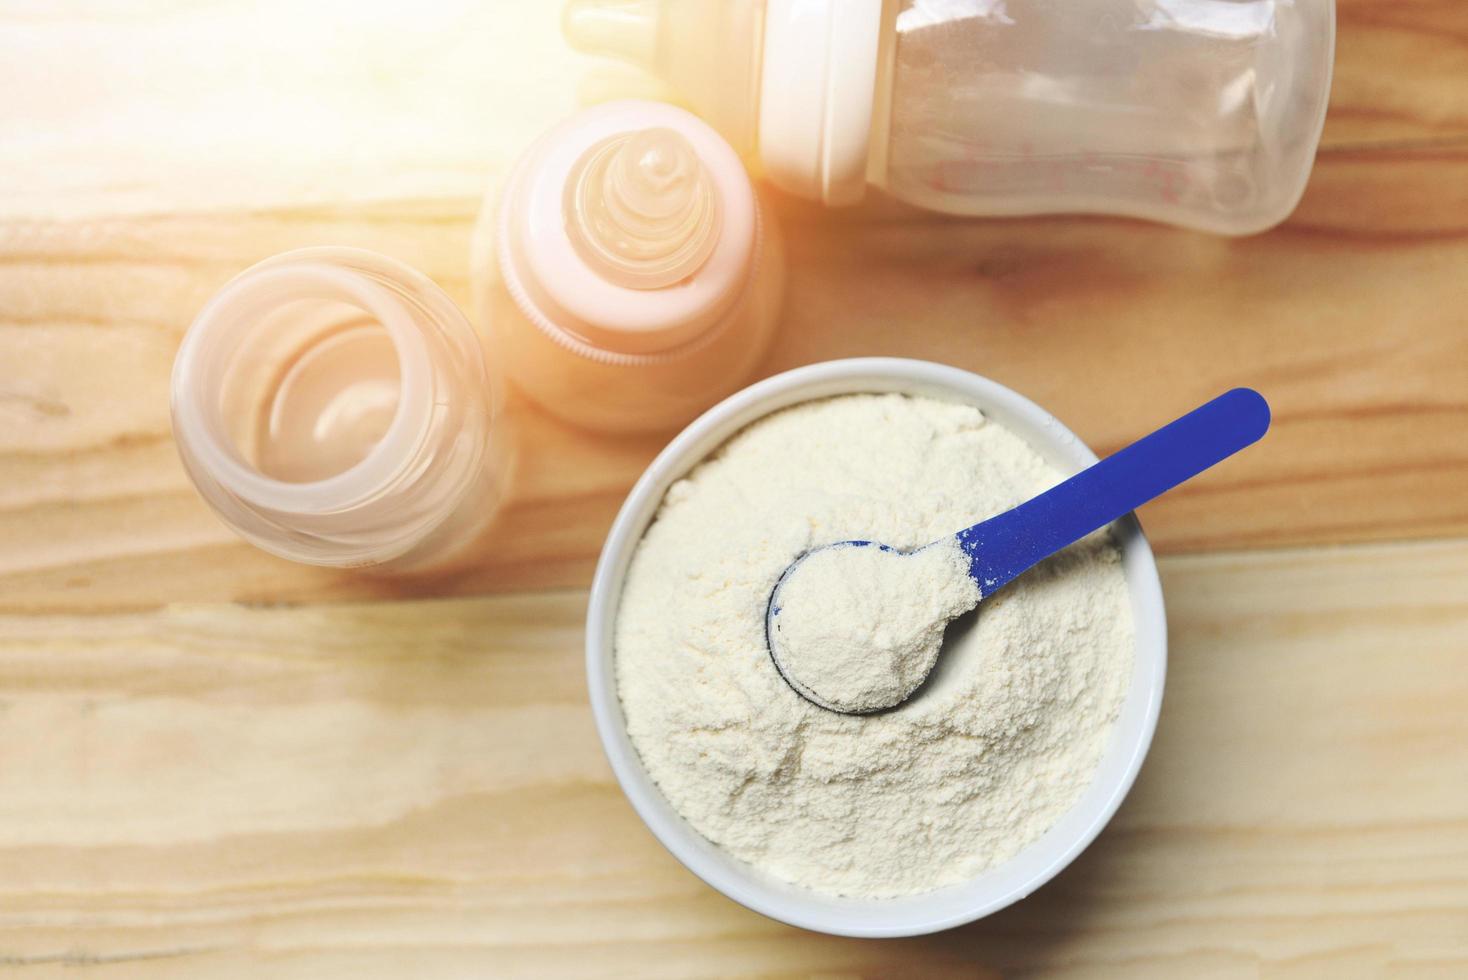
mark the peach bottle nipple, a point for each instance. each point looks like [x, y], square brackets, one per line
[641, 209]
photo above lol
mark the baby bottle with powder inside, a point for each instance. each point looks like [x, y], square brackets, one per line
[625, 270]
[334, 407]
[1201, 113]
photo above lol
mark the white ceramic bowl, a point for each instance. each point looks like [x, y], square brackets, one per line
[946, 907]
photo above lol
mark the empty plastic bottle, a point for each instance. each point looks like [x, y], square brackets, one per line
[1201, 113]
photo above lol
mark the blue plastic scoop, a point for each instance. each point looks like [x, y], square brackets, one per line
[1004, 547]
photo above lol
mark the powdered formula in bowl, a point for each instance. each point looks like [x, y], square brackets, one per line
[993, 778]
[979, 764]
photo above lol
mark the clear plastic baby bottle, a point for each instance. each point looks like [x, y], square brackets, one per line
[1201, 113]
[625, 272]
[334, 407]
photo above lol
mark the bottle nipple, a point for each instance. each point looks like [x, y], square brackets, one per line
[641, 210]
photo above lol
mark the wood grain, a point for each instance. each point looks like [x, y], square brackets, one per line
[415, 788]
[1350, 318]
[1421, 98]
[202, 773]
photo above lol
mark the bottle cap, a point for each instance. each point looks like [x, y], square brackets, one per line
[819, 84]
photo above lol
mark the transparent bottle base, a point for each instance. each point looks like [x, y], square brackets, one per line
[1198, 113]
[335, 408]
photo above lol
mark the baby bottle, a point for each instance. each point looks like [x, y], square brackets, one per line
[334, 407]
[626, 272]
[1201, 113]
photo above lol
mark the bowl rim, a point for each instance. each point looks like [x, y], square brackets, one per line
[871, 918]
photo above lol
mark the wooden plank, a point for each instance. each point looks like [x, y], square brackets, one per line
[1350, 317]
[415, 787]
[1421, 99]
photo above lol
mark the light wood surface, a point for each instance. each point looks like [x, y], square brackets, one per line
[415, 789]
[209, 769]
[1351, 318]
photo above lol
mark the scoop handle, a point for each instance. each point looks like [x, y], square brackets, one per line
[1005, 547]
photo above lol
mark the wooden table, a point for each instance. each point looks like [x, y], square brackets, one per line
[214, 763]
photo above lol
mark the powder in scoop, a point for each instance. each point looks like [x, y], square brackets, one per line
[1001, 741]
[859, 627]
